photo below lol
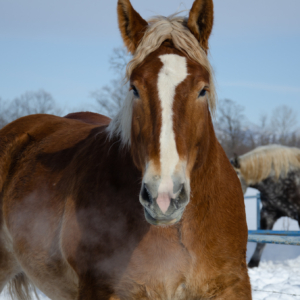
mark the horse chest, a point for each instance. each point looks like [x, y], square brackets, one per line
[157, 270]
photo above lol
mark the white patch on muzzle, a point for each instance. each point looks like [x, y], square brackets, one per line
[172, 73]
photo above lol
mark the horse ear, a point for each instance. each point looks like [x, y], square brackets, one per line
[235, 161]
[131, 25]
[200, 21]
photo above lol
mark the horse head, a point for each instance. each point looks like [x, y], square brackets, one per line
[166, 116]
[236, 163]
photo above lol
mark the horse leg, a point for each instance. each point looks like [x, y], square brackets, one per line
[255, 259]
[9, 266]
[268, 218]
[91, 289]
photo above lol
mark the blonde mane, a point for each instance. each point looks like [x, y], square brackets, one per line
[160, 29]
[274, 160]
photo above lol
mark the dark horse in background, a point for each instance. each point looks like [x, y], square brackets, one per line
[275, 171]
[143, 206]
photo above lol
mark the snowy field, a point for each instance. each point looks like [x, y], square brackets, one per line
[278, 276]
[276, 280]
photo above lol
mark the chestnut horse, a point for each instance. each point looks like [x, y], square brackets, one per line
[145, 206]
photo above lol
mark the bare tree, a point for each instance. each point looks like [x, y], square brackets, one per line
[231, 126]
[29, 103]
[3, 113]
[261, 132]
[119, 60]
[236, 135]
[284, 121]
[110, 97]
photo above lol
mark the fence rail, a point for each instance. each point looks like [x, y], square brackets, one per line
[270, 236]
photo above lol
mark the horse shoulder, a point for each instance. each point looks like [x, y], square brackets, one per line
[10, 146]
[89, 117]
[30, 191]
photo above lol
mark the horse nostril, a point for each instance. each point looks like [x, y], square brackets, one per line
[182, 197]
[146, 195]
[180, 187]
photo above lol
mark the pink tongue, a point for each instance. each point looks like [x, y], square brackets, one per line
[163, 201]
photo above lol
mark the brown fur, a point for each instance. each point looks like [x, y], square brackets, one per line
[200, 21]
[90, 118]
[71, 221]
[160, 30]
[147, 123]
[197, 258]
[132, 25]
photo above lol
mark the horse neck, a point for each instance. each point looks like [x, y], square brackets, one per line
[209, 179]
[204, 172]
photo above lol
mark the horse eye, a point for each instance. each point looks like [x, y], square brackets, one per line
[202, 93]
[135, 91]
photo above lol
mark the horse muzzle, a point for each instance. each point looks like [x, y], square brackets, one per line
[164, 207]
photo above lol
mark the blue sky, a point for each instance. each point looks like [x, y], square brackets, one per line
[63, 46]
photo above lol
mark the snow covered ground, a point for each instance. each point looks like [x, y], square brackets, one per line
[276, 280]
[278, 276]
[5, 296]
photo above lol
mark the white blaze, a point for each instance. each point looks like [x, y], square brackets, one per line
[172, 73]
